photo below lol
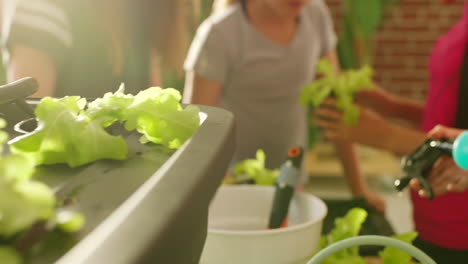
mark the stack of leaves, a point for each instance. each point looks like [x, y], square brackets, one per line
[23, 201]
[341, 86]
[349, 226]
[253, 171]
[66, 134]
[74, 132]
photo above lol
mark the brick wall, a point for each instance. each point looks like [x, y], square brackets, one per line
[405, 40]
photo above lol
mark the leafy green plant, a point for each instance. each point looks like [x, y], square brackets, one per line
[25, 202]
[349, 226]
[157, 114]
[341, 86]
[253, 170]
[8, 255]
[360, 22]
[22, 200]
[73, 132]
[391, 255]
[65, 134]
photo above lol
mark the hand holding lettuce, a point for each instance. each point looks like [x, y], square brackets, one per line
[342, 86]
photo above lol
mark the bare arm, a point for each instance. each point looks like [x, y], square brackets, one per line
[371, 129]
[30, 62]
[392, 106]
[401, 140]
[199, 90]
[155, 69]
[346, 152]
[409, 110]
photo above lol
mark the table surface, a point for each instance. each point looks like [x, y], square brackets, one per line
[323, 161]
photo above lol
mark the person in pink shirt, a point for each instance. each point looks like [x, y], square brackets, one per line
[442, 223]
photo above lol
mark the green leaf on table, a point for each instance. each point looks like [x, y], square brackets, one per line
[158, 115]
[65, 134]
[22, 201]
[69, 221]
[111, 107]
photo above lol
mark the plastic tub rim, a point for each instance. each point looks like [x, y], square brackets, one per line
[269, 232]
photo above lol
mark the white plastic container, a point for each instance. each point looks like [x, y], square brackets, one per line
[238, 234]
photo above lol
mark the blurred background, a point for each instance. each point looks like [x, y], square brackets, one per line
[397, 37]
[393, 36]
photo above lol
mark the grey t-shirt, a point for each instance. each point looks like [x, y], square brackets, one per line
[261, 79]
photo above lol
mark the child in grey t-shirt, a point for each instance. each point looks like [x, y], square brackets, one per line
[253, 58]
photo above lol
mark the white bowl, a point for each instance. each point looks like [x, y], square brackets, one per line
[238, 234]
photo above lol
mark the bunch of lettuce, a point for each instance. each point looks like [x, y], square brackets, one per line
[342, 86]
[23, 201]
[72, 131]
[253, 170]
[155, 112]
[9, 255]
[349, 226]
[66, 134]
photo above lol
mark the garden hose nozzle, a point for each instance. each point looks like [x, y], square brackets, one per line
[284, 187]
[419, 163]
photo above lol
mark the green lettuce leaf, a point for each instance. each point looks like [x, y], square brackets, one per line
[392, 255]
[157, 114]
[66, 135]
[254, 169]
[349, 226]
[8, 255]
[345, 227]
[342, 87]
[73, 132]
[22, 201]
[3, 135]
[111, 107]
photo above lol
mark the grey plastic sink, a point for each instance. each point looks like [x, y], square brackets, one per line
[150, 208]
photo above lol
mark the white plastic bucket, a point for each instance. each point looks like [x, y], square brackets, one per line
[238, 234]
